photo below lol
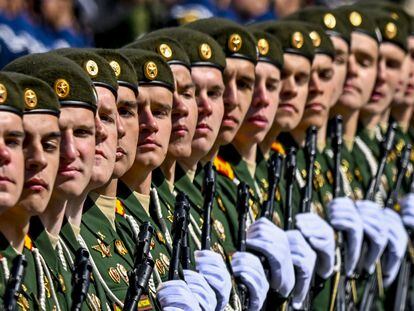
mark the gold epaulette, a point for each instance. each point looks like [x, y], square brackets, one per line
[276, 146]
[223, 167]
[119, 208]
[28, 242]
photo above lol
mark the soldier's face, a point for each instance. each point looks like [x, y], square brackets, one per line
[261, 113]
[154, 111]
[106, 138]
[391, 59]
[239, 85]
[209, 97]
[77, 151]
[402, 81]
[320, 92]
[184, 113]
[409, 91]
[11, 159]
[340, 67]
[362, 71]
[128, 138]
[41, 155]
[294, 91]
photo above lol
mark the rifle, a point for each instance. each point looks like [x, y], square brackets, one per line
[209, 188]
[371, 288]
[243, 210]
[181, 210]
[306, 200]
[290, 181]
[405, 269]
[343, 299]
[14, 283]
[185, 244]
[81, 278]
[143, 265]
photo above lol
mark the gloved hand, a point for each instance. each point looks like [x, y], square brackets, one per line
[407, 210]
[304, 259]
[176, 295]
[211, 265]
[345, 217]
[376, 230]
[200, 288]
[249, 269]
[322, 239]
[397, 245]
[266, 238]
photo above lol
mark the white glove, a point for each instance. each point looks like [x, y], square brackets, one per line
[376, 230]
[407, 210]
[304, 259]
[249, 269]
[176, 295]
[211, 265]
[345, 217]
[322, 239]
[397, 245]
[200, 288]
[266, 238]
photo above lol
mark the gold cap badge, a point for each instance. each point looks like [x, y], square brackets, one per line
[150, 70]
[316, 38]
[390, 30]
[263, 46]
[3, 93]
[165, 50]
[355, 18]
[30, 98]
[395, 16]
[297, 40]
[62, 88]
[92, 68]
[235, 42]
[204, 51]
[115, 67]
[329, 20]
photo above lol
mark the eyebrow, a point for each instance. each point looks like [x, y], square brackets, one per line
[16, 134]
[162, 105]
[129, 103]
[187, 86]
[53, 135]
[219, 88]
[248, 79]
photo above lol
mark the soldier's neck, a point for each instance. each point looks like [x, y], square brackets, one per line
[168, 169]
[188, 164]
[138, 179]
[14, 225]
[212, 154]
[321, 139]
[402, 114]
[370, 121]
[266, 144]
[299, 135]
[108, 189]
[385, 116]
[246, 149]
[350, 124]
[74, 208]
[54, 214]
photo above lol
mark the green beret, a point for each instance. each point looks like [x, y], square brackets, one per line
[235, 39]
[38, 95]
[329, 20]
[170, 50]
[70, 83]
[123, 69]
[395, 10]
[293, 35]
[202, 49]
[411, 26]
[321, 41]
[392, 31]
[11, 95]
[94, 65]
[150, 67]
[269, 47]
[358, 20]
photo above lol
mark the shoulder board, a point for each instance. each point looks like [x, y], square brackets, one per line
[28, 242]
[276, 146]
[223, 167]
[119, 208]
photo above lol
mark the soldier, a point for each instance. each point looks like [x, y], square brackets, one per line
[13, 229]
[76, 97]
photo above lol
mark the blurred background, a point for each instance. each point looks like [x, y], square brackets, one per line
[32, 26]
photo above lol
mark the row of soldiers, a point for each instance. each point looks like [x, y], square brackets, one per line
[214, 166]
